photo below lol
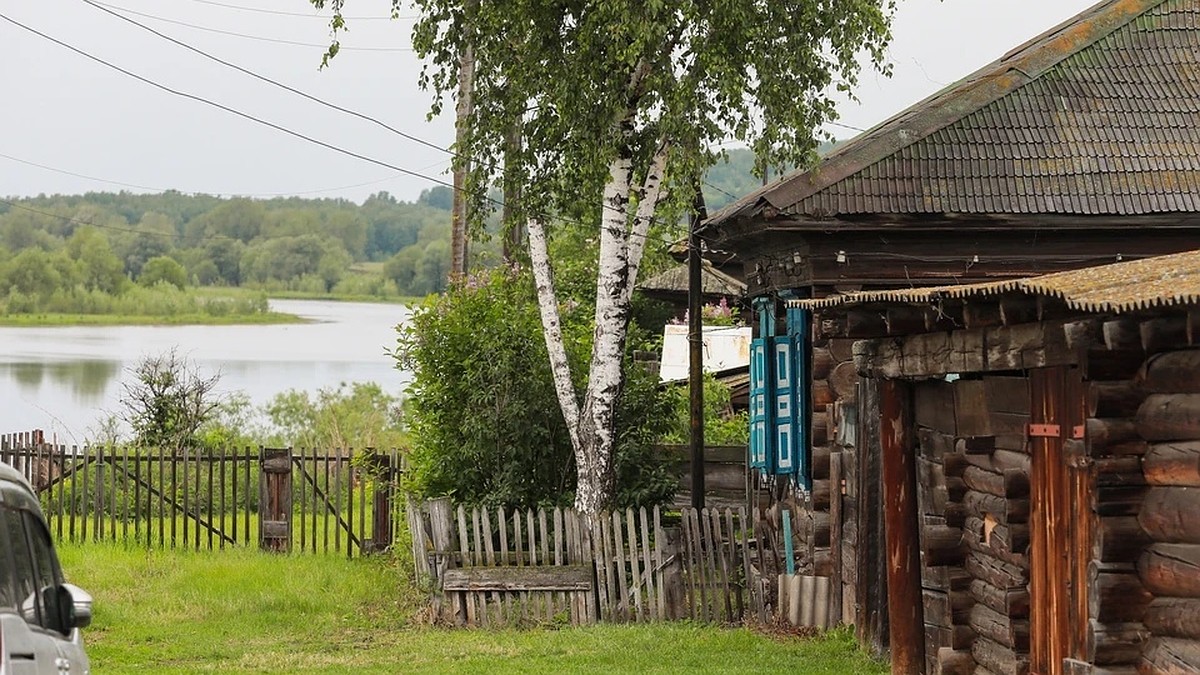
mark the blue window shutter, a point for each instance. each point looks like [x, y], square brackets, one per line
[759, 414]
[799, 331]
[784, 396]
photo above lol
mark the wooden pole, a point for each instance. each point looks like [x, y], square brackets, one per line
[696, 352]
[905, 613]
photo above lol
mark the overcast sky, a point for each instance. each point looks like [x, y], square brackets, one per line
[64, 111]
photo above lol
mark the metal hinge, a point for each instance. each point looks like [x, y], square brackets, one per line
[1077, 432]
[1044, 430]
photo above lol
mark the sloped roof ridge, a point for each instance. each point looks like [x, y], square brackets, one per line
[1017, 67]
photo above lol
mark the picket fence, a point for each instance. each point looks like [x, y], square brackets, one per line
[490, 567]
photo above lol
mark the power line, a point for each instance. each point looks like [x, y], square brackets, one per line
[115, 228]
[162, 189]
[845, 126]
[267, 123]
[259, 38]
[262, 78]
[301, 14]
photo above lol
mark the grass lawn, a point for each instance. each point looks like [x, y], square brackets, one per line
[243, 611]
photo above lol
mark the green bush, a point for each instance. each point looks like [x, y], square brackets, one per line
[485, 423]
[722, 426]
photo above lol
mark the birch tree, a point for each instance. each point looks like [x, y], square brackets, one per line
[620, 103]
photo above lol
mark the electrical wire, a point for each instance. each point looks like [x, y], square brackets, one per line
[275, 83]
[301, 14]
[259, 38]
[196, 192]
[115, 228]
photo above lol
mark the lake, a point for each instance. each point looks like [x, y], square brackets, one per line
[65, 380]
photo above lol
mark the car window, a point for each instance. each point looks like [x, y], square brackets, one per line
[24, 572]
[47, 576]
[8, 596]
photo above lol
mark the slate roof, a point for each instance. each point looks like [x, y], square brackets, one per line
[1097, 116]
[1162, 281]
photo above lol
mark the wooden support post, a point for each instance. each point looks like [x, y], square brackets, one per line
[275, 501]
[898, 461]
[870, 615]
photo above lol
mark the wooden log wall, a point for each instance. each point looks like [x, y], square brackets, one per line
[1167, 424]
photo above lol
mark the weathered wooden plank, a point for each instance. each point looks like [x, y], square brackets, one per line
[902, 532]
[1171, 515]
[1174, 617]
[1000, 628]
[1171, 373]
[998, 658]
[1169, 417]
[634, 564]
[1171, 656]
[1117, 597]
[1012, 602]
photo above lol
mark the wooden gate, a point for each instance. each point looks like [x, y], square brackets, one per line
[1061, 522]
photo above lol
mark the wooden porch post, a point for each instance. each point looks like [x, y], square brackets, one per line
[905, 613]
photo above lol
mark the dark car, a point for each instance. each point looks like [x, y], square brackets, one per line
[40, 615]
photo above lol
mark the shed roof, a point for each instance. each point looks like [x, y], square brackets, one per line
[1163, 281]
[713, 282]
[1096, 116]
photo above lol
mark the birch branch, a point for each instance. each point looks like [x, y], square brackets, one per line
[651, 196]
[560, 368]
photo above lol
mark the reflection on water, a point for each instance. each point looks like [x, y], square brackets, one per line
[88, 380]
[65, 380]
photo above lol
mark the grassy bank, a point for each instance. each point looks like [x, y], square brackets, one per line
[283, 294]
[243, 611]
[191, 318]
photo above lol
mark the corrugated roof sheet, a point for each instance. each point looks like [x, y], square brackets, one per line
[1162, 281]
[1097, 116]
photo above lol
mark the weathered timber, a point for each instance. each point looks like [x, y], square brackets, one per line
[1119, 539]
[1012, 602]
[999, 627]
[1007, 394]
[1010, 483]
[1193, 327]
[820, 461]
[946, 608]
[958, 636]
[933, 403]
[1170, 656]
[998, 659]
[1122, 333]
[527, 578]
[1134, 448]
[975, 445]
[1018, 309]
[1117, 597]
[1103, 432]
[981, 313]
[820, 428]
[1006, 511]
[821, 395]
[1119, 500]
[1007, 542]
[1169, 417]
[1116, 643]
[952, 661]
[904, 320]
[841, 349]
[1171, 515]
[863, 323]
[822, 363]
[870, 622]
[897, 444]
[1114, 399]
[1171, 570]
[942, 545]
[1175, 463]
[971, 409]
[1082, 335]
[1174, 617]
[1119, 364]
[1163, 333]
[998, 573]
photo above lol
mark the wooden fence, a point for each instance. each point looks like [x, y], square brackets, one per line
[338, 502]
[498, 567]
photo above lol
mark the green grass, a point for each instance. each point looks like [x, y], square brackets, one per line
[305, 295]
[244, 611]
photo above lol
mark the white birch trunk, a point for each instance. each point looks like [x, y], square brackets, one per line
[560, 368]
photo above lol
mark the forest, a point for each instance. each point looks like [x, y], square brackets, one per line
[102, 252]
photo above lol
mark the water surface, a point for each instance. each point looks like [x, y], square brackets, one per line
[65, 380]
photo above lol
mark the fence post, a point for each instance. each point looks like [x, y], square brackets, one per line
[275, 500]
[441, 530]
[381, 519]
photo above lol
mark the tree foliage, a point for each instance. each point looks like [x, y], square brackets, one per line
[167, 401]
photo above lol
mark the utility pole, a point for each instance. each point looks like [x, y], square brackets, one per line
[696, 350]
[462, 164]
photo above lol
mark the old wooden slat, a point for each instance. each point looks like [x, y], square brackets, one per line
[1174, 617]
[557, 516]
[623, 606]
[477, 537]
[898, 447]
[600, 563]
[502, 522]
[1171, 570]
[303, 499]
[544, 536]
[648, 571]
[464, 539]
[1176, 463]
[362, 513]
[660, 565]
[712, 566]
[380, 539]
[688, 562]
[722, 566]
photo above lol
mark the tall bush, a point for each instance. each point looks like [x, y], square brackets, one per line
[483, 413]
